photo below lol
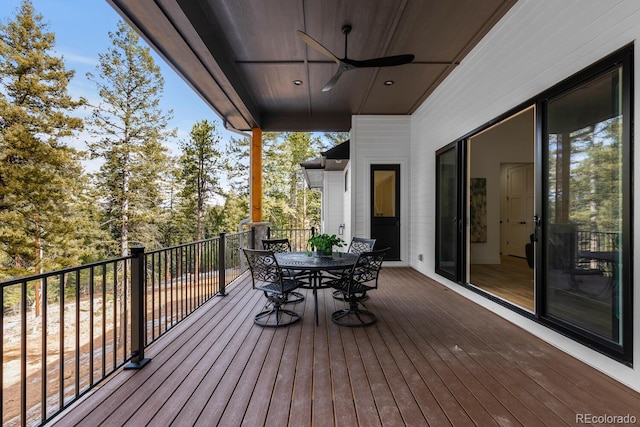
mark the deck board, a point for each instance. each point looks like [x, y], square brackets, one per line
[322, 394]
[433, 358]
[301, 394]
[344, 405]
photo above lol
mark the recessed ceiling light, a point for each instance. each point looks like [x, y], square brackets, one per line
[388, 82]
[297, 82]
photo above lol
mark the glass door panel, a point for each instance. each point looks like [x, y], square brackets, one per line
[584, 214]
[448, 213]
[501, 209]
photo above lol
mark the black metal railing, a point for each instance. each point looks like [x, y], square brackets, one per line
[77, 334]
[598, 241]
[233, 256]
[298, 237]
[65, 331]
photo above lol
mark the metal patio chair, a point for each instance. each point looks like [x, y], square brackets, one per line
[362, 278]
[357, 245]
[284, 245]
[269, 278]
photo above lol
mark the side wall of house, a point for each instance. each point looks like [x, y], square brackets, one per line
[346, 203]
[535, 46]
[332, 202]
[379, 140]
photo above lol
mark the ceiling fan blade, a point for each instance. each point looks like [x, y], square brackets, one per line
[331, 83]
[387, 61]
[346, 64]
[317, 46]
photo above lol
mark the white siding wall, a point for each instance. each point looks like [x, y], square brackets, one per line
[537, 45]
[379, 140]
[346, 203]
[332, 201]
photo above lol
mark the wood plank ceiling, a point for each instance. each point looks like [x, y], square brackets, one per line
[243, 56]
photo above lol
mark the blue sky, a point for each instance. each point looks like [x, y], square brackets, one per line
[81, 28]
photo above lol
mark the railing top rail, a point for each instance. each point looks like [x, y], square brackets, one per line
[227, 235]
[41, 276]
[183, 245]
[66, 270]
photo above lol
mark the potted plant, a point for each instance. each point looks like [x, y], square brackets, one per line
[323, 243]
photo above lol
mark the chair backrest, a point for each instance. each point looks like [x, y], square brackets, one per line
[359, 245]
[264, 267]
[276, 245]
[367, 268]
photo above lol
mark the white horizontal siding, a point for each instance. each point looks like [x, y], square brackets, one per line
[332, 202]
[347, 203]
[379, 140]
[536, 45]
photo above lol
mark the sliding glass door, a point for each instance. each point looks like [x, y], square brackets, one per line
[579, 224]
[587, 152]
[449, 212]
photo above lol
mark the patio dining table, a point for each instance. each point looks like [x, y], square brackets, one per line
[316, 265]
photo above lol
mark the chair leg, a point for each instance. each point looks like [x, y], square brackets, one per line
[277, 313]
[339, 295]
[354, 316]
[294, 298]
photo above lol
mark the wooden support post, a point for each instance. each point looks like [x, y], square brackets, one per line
[256, 175]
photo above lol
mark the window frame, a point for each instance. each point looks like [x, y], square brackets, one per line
[622, 58]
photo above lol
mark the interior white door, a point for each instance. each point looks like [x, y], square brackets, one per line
[520, 209]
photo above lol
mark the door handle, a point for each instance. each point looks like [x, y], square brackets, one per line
[537, 221]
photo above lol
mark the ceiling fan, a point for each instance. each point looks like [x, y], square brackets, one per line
[346, 64]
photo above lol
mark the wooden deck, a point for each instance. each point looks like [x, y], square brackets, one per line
[433, 358]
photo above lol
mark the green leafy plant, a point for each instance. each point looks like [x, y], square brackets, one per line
[324, 243]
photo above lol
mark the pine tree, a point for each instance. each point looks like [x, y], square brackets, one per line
[173, 219]
[287, 200]
[39, 174]
[201, 166]
[227, 217]
[336, 138]
[236, 205]
[130, 129]
[237, 166]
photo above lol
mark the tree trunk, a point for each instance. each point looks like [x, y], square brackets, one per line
[124, 224]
